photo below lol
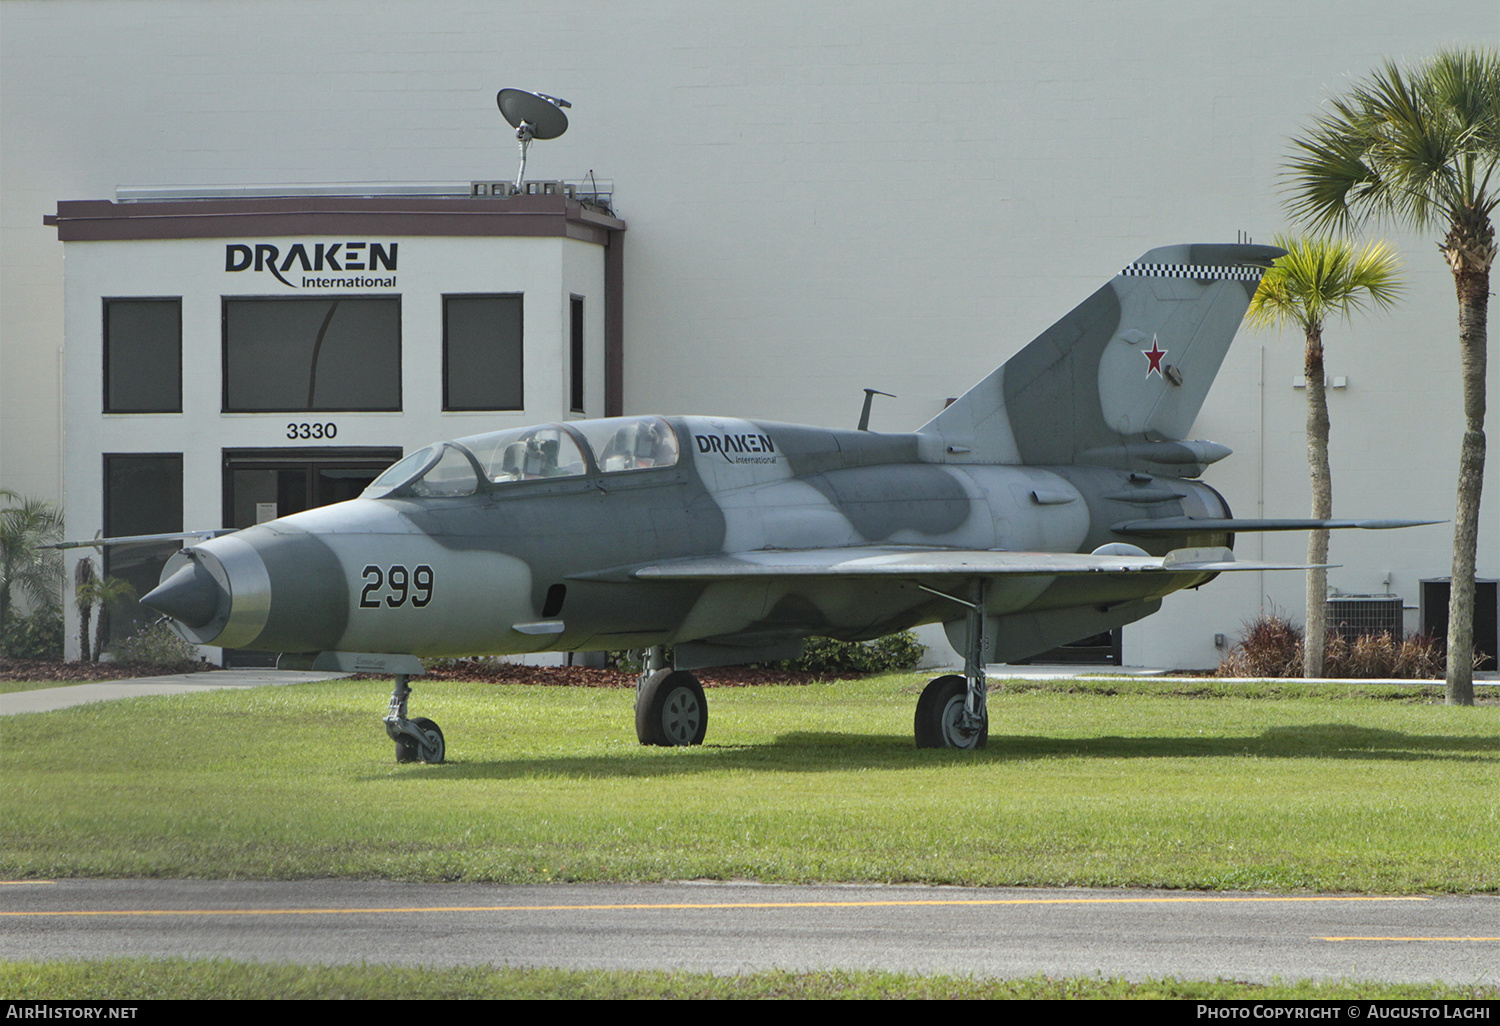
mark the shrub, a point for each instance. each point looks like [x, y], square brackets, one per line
[900, 651]
[37, 636]
[1383, 655]
[155, 644]
[1272, 647]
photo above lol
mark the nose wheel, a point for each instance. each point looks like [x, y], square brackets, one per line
[429, 749]
[418, 740]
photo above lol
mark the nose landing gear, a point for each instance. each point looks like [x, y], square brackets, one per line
[418, 740]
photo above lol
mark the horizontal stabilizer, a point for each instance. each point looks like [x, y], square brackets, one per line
[913, 562]
[1196, 525]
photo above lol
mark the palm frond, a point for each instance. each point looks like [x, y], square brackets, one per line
[25, 564]
[1415, 147]
[1321, 277]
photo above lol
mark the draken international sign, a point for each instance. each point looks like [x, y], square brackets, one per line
[318, 265]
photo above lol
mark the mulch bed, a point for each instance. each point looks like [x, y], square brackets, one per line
[42, 670]
[480, 672]
[592, 677]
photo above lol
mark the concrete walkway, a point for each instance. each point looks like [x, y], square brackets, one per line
[45, 699]
[1064, 671]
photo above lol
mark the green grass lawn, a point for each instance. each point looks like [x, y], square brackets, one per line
[137, 979]
[1078, 787]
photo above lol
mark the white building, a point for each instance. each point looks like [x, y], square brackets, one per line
[230, 361]
[821, 198]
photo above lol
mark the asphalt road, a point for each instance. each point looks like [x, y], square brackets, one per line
[733, 928]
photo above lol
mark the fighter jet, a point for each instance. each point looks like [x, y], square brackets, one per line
[1056, 499]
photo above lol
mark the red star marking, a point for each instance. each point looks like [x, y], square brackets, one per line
[1153, 356]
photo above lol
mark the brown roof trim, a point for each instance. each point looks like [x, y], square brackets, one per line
[533, 216]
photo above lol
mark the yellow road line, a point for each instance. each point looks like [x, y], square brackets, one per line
[1410, 938]
[694, 905]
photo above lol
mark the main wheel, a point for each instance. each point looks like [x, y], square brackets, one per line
[671, 710]
[940, 715]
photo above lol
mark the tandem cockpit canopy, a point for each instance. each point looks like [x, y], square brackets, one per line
[466, 466]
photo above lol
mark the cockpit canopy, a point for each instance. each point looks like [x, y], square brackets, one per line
[478, 463]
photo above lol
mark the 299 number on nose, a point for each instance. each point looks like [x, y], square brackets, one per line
[395, 584]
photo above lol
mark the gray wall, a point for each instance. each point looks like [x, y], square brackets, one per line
[820, 197]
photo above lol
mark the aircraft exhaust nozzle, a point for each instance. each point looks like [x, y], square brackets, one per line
[190, 596]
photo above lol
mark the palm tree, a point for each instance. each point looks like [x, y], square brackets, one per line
[25, 565]
[84, 578]
[1316, 279]
[1419, 147]
[105, 591]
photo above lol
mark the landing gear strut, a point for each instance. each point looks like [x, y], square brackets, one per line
[417, 740]
[670, 708]
[952, 712]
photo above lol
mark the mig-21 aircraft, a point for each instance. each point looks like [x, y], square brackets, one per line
[1056, 499]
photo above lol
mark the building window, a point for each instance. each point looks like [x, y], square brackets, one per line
[142, 495]
[143, 356]
[575, 355]
[482, 353]
[312, 354]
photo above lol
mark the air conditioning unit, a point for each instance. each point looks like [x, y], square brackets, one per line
[1350, 616]
[496, 190]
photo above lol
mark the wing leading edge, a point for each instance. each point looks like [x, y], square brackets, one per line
[897, 561]
[1192, 525]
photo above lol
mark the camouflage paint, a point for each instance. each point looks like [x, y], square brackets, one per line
[757, 536]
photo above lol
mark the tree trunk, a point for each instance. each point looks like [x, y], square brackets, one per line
[1473, 286]
[84, 580]
[85, 617]
[1315, 638]
[101, 629]
[5, 578]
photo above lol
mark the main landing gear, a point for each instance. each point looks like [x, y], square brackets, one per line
[952, 712]
[670, 708]
[417, 740]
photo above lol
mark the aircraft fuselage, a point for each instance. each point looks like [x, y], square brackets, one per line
[544, 563]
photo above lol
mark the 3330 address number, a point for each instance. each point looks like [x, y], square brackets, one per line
[328, 430]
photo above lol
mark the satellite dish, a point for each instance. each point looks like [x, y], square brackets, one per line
[533, 116]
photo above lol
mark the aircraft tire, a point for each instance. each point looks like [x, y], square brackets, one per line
[938, 714]
[435, 749]
[671, 709]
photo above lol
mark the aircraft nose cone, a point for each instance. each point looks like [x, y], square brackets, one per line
[191, 596]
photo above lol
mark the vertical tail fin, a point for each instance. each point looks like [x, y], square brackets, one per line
[1120, 379]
